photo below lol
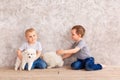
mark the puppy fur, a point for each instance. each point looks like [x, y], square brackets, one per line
[28, 56]
[53, 60]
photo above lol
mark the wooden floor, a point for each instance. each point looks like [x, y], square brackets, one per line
[108, 73]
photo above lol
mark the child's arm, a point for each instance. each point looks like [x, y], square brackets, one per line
[69, 51]
[19, 54]
[66, 56]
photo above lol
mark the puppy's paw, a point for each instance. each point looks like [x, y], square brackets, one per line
[15, 69]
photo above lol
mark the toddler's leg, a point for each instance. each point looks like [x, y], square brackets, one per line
[40, 64]
[26, 66]
[79, 64]
[90, 65]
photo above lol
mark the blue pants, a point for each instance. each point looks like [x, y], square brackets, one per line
[37, 64]
[87, 64]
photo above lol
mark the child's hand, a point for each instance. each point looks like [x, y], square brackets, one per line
[60, 52]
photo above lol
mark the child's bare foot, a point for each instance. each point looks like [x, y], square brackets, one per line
[103, 65]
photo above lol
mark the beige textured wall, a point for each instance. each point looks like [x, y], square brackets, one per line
[53, 20]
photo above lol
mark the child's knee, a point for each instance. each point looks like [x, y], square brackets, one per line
[90, 65]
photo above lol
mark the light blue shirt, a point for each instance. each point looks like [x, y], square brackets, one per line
[37, 46]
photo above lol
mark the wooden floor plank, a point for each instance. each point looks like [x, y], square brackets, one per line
[108, 73]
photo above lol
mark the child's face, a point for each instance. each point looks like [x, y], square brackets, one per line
[31, 37]
[75, 36]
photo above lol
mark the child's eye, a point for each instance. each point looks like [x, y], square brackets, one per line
[30, 36]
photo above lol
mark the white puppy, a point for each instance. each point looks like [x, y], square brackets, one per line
[28, 56]
[53, 60]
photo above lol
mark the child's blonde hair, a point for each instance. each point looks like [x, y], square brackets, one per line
[79, 30]
[29, 30]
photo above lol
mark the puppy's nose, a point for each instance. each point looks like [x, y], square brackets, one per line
[29, 56]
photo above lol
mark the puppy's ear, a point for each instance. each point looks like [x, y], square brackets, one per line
[24, 52]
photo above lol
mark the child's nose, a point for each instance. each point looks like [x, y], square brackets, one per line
[32, 37]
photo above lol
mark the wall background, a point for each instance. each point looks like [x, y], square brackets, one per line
[53, 20]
